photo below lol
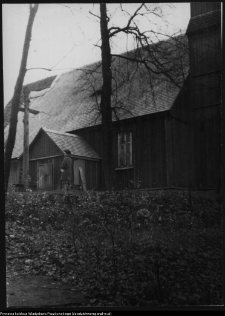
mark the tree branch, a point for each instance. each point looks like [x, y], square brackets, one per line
[137, 61]
[118, 30]
[95, 15]
[39, 68]
[64, 56]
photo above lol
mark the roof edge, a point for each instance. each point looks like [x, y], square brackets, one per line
[60, 133]
[40, 130]
[204, 24]
[74, 136]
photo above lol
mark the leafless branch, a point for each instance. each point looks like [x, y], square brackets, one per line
[114, 111]
[47, 69]
[95, 15]
[64, 56]
[50, 69]
[64, 5]
[97, 45]
[117, 29]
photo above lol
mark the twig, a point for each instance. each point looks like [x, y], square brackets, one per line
[40, 68]
[95, 15]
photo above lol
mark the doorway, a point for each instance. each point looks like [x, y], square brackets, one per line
[45, 176]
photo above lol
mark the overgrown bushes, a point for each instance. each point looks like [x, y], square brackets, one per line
[134, 247]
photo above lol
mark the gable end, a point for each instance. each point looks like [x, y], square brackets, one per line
[43, 146]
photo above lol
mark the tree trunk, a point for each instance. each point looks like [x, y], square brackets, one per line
[17, 93]
[26, 139]
[105, 105]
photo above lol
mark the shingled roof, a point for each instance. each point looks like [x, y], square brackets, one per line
[203, 21]
[76, 144]
[70, 104]
[34, 86]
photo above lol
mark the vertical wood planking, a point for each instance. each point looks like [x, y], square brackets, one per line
[14, 172]
[33, 174]
[43, 146]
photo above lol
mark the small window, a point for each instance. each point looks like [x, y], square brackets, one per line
[125, 149]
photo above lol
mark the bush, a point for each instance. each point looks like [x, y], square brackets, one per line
[131, 247]
[34, 209]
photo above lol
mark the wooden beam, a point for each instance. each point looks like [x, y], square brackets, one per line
[72, 156]
[30, 110]
[48, 157]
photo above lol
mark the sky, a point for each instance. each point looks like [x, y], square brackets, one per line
[67, 36]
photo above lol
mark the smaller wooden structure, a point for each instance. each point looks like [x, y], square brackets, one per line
[46, 154]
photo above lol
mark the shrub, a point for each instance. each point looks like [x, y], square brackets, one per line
[131, 247]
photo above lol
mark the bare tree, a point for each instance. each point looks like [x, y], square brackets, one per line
[148, 56]
[17, 93]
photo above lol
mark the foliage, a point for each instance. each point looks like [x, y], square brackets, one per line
[128, 248]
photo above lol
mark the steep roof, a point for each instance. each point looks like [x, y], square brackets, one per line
[34, 86]
[70, 104]
[204, 21]
[76, 144]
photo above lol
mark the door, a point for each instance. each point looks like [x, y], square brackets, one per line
[78, 163]
[45, 176]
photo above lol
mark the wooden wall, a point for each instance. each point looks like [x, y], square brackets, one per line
[194, 138]
[14, 172]
[206, 144]
[205, 91]
[206, 67]
[205, 99]
[205, 51]
[43, 146]
[178, 140]
[57, 161]
[149, 151]
[177, 153]
[91, 172]
[44, 150]
[93, 137]
[33, 167]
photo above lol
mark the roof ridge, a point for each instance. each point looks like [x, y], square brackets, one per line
[206, 13]
[61, 133]
[183, 34]
[99, 61]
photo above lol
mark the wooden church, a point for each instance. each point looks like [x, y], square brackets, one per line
[171, 140]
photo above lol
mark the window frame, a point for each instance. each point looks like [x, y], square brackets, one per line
[124, 132]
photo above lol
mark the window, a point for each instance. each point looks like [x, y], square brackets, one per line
[125, 149]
